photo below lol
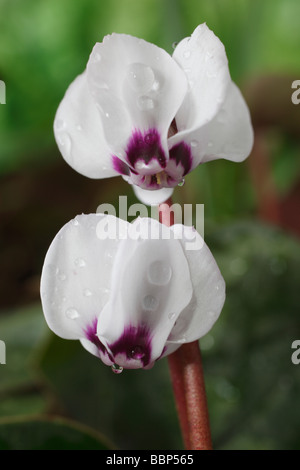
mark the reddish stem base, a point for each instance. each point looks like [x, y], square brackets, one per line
[188, 381]
[189, 389]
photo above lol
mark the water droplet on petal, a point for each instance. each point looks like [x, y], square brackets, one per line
[208, 56]
[211, 314]
[80, 262]
[87, 293]
[72, 313]
[75, 222]
[137, 352]
[210, 144]
[116, 369]
[60, 124]
[61, 276]
[171, 315]
[187, 54]
[145, 103]
[174, 45]
[156, 85]
[150, 303]
[141, 77]
[65, 142]
[219, 286]
[108, 256]
[181, 183]
[194, 143]
[159, 273]
[96, 57]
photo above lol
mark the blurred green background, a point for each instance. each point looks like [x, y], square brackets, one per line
[53, 394]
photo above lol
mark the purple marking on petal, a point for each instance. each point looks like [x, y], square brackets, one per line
[120, 166]
[91, 335]
[181, 153]
[145, 147]
[135, 343]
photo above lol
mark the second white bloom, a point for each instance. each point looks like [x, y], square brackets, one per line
[131, 293]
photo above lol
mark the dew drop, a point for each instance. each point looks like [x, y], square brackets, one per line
[75, 222]
[208, 56]
[219, 286]
[72, 313]
[210, 144]
[211, 314]
[65, 142]
[96, 57]
[171, 316]
[174, 45]
[60, 124]
[116, 369]
[187, 54]
[87, 293]
[159, 273]
[108, 256]
[150, 303]
[80, 262]
[141, 77]
[137, 352]
[156, 85]
[194, 143]
[145, 103]
[150, 138]
[181, 183]
[61, 276]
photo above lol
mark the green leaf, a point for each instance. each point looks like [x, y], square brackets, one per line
[48, 434]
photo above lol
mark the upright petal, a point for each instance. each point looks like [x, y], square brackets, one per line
[213, 121]
[138, 88]
[203, 58]
[79, 134]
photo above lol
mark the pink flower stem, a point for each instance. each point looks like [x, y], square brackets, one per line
[187, 377]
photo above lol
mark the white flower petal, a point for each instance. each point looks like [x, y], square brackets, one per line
[203, 58]
[79, 134]
[76, 276]
[136, 85]
[208, 290]
[228, 135]
[152, 198]
[151, 285]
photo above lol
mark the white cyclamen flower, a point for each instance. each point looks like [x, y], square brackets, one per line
[131, 293]
[152, 118]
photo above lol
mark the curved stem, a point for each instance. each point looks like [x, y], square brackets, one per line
[187, 377]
